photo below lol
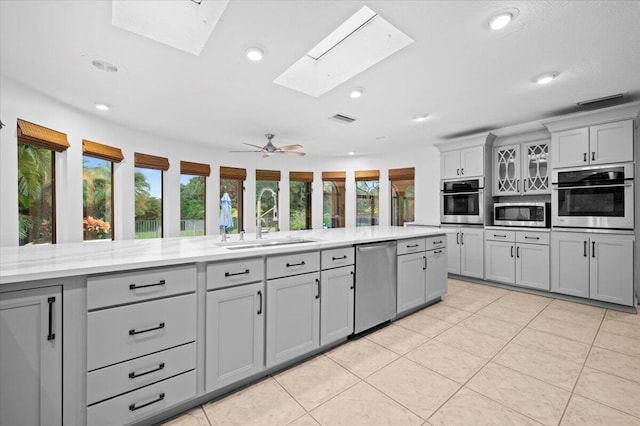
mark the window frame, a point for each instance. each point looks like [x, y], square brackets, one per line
[307, 179]
[113, 209]
[240, 176]
[331, 178]
[396, 175]
[368, 176]
[204, 202]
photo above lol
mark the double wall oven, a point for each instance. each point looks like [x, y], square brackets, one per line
[462, 201]
[593, 197]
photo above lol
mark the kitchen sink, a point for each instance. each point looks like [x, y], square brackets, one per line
[241, 245]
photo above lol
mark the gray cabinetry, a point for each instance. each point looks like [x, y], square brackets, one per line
[465, 251]
[336, 304]
[570, 263]
[500, 261]
[436, 273]
[466, 162]
[31, 360]
[521, 169]
[412, 281]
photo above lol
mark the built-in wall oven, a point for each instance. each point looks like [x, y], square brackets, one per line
[462, 201]
[593, 197]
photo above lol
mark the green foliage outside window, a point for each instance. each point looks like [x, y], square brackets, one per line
[192, 205]
[97, 205]
[35, 195]
[148, 203]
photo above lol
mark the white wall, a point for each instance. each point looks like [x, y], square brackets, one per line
[18, 101]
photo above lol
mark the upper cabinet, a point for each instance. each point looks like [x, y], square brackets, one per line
[601, 144]
[521, 169]
[459, 163]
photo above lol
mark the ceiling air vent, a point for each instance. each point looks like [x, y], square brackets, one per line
[341, 118]
[598, 100]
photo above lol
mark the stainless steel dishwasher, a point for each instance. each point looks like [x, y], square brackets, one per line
[375, 284]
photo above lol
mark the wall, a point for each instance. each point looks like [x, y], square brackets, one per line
[18, 101]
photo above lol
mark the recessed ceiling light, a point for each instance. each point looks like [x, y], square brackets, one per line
[104, 65]
[546, 77]
[420, 118]
[102, 107]
[255, 53]
[500, 21]
[356, 93]
[352, 153]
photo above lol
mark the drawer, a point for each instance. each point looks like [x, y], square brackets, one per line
[501, 235]
[532, 237]
[141, 403]
[436, 242]
[412, 245]
[117, 379]
[226, 274]
[136, 286]
[119, 334]
[337, 257]
[292, 264]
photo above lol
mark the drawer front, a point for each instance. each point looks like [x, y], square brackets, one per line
[501, 235]
[337, 257]
[226, 274]
[131, 375]
[141, 403]
[532, 237]
[119, 334]
[412, 245]
[292, 264]
[436, 242]
[118, 289]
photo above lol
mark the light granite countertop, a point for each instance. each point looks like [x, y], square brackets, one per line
[20, 264]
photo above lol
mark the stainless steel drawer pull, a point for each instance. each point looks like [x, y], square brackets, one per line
[531, 238]
[437, 242]
[499, 236]
[413, 245]
[290, 265]
[339, 258]
[437, 252]
[51, 335]
[134, 375]
[233, 274]
[134, 286]
[133, 331]
[133, 407]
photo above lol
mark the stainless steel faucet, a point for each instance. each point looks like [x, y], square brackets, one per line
[259, 208]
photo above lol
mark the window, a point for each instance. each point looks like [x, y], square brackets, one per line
[36, 182]
[232, 184]
[97, 189]
[367, 200]
[402, 195]
[148, 193]
[192, 198]
[333, 199]
[300, 200]
[267, 187]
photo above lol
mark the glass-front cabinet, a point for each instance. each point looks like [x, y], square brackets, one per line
[521, 169]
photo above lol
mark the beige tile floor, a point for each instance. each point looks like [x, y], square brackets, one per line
[482, 356]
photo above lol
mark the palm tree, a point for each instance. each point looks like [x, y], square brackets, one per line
[35, 193]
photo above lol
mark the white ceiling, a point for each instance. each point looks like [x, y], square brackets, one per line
[465, 76]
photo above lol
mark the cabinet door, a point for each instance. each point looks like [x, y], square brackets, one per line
[293, 317]
[570, 263]
[411, 281]
[336, 304]
[235, 334]
[535, 168]
[611, 142]
[31, 359]
[472, 161]
[453, 252]
[472, 252]
[506, 164]
[500, 261]
[570, 148]
[436, 274]
[532, 266]
[450, 164]
[612, 269]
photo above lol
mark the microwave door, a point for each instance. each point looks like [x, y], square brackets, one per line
[598, 206]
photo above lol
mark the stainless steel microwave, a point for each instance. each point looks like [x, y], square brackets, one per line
[534, 215]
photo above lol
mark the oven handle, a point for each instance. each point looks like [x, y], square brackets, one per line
[556, 187]
[460, 193]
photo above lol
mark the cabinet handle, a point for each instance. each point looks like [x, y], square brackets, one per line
[457, 238]
[318, 294]
[135, 287]
[289, 265]
[517, 185]
[462, 171]
[339, 258]
[413, 245]
[584, 157]
[499, 236]
[424, 264]
[437, 242]
[584, 249]
[351, 288]
[133, 406]
[134, 375]
[260, 306]
[462, 238]
[511, 251]
[518, 251]
[437, 252]
[593, 156]
[531, 238]
[458, 172]
[525, 185]
[52, 334]
[133, 331]
[593, 249]
[233, 274]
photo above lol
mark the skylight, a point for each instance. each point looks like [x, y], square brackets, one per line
[360, 42]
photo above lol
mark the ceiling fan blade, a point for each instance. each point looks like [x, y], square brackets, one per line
[294, 153]
[290, 147]
[246, 151]
[253, 146]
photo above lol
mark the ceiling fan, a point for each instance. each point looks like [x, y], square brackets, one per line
[269, 149]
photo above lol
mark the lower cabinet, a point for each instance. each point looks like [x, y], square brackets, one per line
[412, 281]
[436, 273]
[31, 360]
[293, 317]
[465, 251]
[235, 334]
[336, 304]
[596, 266]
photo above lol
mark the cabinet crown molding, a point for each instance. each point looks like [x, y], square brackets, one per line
[481, 139]
[589, 118]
